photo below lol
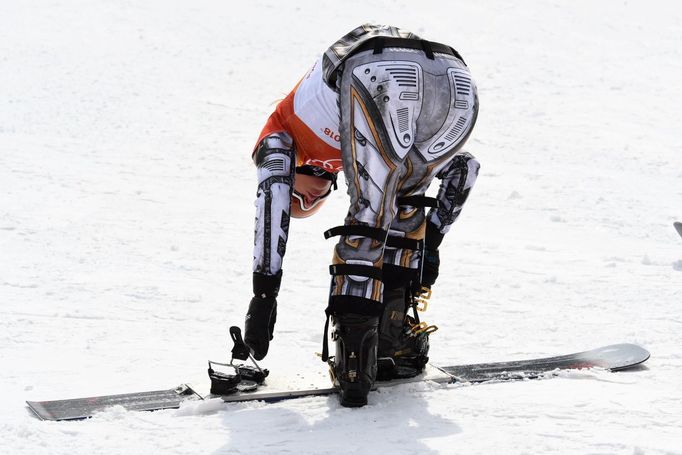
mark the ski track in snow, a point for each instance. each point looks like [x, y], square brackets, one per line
[126, 208]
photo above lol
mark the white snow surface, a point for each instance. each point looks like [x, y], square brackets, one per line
[126, 224]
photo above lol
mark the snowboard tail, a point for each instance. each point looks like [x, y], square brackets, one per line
[82, 408]
[614, 358]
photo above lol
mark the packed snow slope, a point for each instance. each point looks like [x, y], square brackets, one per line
[126, 219]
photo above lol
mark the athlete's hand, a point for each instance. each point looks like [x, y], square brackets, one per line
[262, 314]
[260, 324]
[430, 266]
[431, 258]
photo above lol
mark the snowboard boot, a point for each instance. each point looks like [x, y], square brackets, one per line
[355, 362]
[403, 341]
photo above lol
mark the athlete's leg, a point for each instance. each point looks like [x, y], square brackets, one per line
[378, 119]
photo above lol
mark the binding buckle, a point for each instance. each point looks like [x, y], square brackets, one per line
[422, 299]
[423, 327]
[245, 378]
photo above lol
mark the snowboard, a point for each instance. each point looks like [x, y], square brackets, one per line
[82, 408]
[614, 358]
[678, 227]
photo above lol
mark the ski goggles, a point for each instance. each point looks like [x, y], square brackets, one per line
[315, 172]
[308, 206]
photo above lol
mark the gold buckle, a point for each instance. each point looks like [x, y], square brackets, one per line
[418, 328]
[423, 327]
[332, 376]
[431, 329]
[422, 299]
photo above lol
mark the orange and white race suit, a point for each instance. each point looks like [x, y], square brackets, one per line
[310, 116]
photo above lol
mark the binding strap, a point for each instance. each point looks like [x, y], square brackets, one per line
[325, 341]
[404, 243]
[355, 269]
[348, 304]
[419, 201]
[357, 229]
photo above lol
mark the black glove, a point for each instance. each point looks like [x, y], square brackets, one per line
[430, 266]
[262, 313]
[260, 324]
[431, 259]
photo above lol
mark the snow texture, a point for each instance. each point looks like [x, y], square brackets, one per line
[126, 219]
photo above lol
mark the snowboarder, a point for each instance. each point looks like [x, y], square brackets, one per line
[392, 111]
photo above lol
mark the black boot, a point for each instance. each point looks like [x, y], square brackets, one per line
[391, 327]
[355, 363]
[403, 351]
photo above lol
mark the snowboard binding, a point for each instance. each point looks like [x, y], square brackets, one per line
[241, 378]
[403, 338]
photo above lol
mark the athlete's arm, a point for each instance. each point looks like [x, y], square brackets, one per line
[275, 160]
[458, 177]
